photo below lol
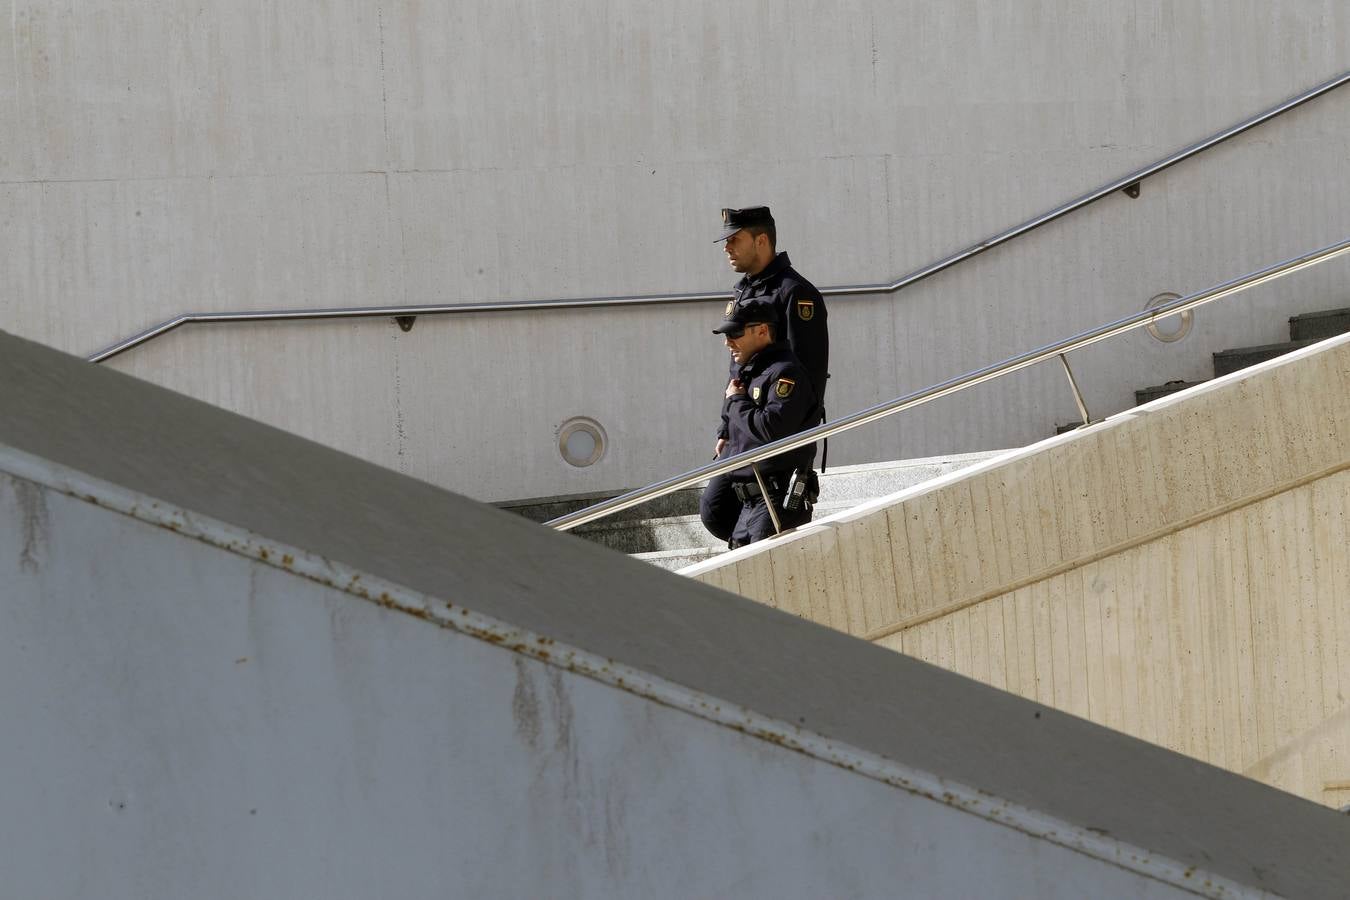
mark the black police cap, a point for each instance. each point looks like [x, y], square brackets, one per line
[733, 220]
[756, 310]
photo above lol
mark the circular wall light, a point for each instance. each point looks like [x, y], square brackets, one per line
[582, 441]
[1182, 329]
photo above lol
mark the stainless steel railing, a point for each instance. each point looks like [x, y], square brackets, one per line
[405, 314]
[960, 383]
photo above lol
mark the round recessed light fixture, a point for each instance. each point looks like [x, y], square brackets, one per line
[1182, 329]
[582, 441]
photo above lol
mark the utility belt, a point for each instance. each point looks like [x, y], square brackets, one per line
[799, 487]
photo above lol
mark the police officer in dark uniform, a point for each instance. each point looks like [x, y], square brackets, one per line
[750, 239]
[770, 396]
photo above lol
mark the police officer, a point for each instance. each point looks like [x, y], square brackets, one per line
[770, 396]
[750, 239]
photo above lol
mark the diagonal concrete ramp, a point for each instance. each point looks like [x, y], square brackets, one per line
[237, 663]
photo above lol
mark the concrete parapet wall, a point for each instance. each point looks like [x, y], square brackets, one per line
[188, 721]
[234, 663]
[1226, 640]
[1179, 572]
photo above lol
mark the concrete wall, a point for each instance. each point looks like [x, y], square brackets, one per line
[187, 721]
[238, 663]
[1226, 641]
[1179, 572]
[158, 157]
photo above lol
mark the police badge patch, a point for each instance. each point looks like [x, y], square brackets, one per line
[784, 388]
[731, 304]
[754, 394]
[806, 309]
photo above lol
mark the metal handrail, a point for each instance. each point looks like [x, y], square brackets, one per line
[960, 383]
[1125, 182]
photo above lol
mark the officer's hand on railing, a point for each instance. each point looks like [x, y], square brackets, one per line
[735, 387]
[719, 447]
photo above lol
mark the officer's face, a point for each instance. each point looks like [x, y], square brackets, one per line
[742, 251]
[754, 339]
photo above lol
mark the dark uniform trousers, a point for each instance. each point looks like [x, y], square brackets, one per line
[740, 522]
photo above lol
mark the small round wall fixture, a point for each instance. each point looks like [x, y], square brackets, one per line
[582, 441]
[1183, 329]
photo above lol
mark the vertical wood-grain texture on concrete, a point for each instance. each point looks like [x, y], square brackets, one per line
[1179, 572]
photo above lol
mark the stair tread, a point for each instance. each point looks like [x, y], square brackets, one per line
[681, 552]
[1175, 384]
[1320, 325]
[1323, 314]
[1226, 362]
[1281, 347]
[1156, 391]
[602, 525]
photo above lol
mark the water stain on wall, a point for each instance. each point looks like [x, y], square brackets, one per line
[562, 714]
[539, 708]
[590, 797]
[35, 521]
[525, 705]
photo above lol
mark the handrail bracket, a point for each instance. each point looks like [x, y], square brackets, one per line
[1077, 394]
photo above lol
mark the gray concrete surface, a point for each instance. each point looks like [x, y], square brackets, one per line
[161, 157]
[678, 558]
[196, 477]
[189, 722]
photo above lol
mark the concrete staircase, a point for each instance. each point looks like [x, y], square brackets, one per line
[667, 532]
[1303, 330]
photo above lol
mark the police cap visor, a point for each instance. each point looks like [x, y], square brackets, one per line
[731, 329]
[733, 220]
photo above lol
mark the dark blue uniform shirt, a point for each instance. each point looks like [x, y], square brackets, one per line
[779, 401]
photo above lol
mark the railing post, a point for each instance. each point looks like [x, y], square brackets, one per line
[768, 500]
[1077, 394]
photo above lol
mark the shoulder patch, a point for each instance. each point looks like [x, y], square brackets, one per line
[806, 310]
[784, 388]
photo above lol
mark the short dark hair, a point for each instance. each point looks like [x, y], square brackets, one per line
[767, 228]
[772, 326]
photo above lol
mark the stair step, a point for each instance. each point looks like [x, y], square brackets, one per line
[650, 535]
[851, 485]
[670, 525]
[856, 482]
[1229, 361]
[674, 560]
[1304, 329]
[1149, 394]
[1318, 326]
[542, 509]
[669, 533]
